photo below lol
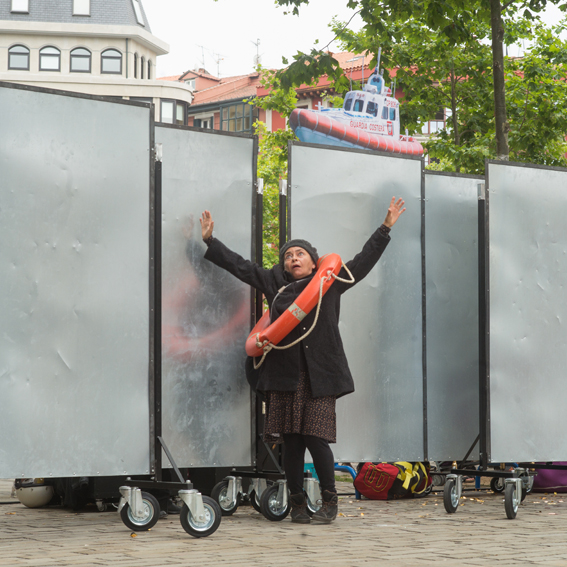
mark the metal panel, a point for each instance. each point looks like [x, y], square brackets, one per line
[74, 274]
[207, 415]
[338, 199]
[528, 312]
[451, 267]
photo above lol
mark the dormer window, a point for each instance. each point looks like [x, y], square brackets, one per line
[81, 7]
[21, 6]
[138, 12]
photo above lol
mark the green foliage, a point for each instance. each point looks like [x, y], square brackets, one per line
[280, 99]
[272, 166]
[442, 55]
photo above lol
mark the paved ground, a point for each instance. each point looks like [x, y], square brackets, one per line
[409, 532]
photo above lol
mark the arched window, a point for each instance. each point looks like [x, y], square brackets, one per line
[49, 59]
[149, 69]
[142, 65]
[135, 65]
[111, 62]
[19, 58]
[80, 60]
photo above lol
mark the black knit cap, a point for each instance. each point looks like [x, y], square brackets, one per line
[307, 246]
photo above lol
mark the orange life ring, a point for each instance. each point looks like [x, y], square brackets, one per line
[291, 317]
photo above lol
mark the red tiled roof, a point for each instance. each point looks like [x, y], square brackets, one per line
[171, 78]
[240, 86]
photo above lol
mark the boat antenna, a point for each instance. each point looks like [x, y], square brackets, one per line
[378, 58]
[352, 67]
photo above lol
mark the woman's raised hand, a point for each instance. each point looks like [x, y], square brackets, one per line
[207, 224]
[395, 209]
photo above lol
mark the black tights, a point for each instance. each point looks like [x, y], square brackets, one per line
[294, 461]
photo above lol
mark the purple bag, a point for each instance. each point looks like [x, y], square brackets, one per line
[551, 480]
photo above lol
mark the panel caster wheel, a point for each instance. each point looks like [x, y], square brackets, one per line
[312, 507]
[220, 495]
[511, 500]
[255, 501]
[271, 507]
[527, 486]
[497, 485]
[205, 527]
[147, 520]
[450, 496]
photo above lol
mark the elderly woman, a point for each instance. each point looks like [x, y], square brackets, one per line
[301, 384]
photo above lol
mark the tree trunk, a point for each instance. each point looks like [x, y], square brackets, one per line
[456, 134]
[502, 126]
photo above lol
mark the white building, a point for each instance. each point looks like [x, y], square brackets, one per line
[100, 47]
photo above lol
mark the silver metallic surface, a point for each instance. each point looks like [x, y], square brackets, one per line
[528, 313]
[74, 275]
[207, 412]
[451, 264]
[338, 199]
[194, 500]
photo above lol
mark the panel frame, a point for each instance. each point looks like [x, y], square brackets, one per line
[486, 434]
[255, 255]
[286, 234]
[152, 268]
[481, 181]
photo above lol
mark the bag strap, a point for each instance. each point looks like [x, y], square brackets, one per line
[421, 466]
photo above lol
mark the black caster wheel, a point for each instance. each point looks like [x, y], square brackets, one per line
[255, 500]
[220, 495]
[205, 527]
[147, 520]
[450, 496]
[271, 507]
[497, 485]
[511, 500]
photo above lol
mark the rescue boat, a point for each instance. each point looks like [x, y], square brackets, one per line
[369, 119]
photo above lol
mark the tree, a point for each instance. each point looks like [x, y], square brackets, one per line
[457, 21]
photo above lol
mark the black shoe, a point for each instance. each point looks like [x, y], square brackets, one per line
[299, 513]
[328, 511]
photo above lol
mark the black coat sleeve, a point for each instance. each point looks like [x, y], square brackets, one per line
[246, 271]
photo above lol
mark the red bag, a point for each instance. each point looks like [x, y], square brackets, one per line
[391, 481]
[375, 481]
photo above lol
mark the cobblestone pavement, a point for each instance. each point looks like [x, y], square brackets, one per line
[408, 532]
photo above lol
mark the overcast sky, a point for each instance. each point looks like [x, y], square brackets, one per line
[220, 35]
[224, 31]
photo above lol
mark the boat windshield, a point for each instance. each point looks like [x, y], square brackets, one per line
[372, 108]
[348, 102]
[358, 105]
[392, 113]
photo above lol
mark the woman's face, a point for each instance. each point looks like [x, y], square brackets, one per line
[298, 263]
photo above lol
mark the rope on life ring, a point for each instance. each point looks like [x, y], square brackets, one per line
[265, 336]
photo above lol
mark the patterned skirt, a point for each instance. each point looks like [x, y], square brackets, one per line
[300, 412]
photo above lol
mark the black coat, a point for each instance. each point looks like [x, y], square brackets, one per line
[323, 348]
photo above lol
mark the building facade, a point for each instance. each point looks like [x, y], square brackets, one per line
[100, 47]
